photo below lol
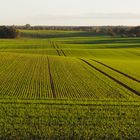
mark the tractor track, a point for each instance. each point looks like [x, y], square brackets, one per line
[53, 44]
[112, 78]
[57, 48]
[63, 52]
[126, 75]
[58, 52]
[51, 80]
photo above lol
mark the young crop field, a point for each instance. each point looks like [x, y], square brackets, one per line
[69, 85]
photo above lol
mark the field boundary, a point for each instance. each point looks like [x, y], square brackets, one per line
[112, 78]
[69, 103]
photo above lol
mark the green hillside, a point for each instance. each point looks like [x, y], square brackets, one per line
[69, 84]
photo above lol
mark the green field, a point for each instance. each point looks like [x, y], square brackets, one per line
[69, 85]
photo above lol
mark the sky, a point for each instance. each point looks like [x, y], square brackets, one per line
[70, 12]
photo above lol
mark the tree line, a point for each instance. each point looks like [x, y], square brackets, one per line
[123, 31]
[8, 32]
[114, 31]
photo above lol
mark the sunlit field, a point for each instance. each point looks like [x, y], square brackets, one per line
[69, 84]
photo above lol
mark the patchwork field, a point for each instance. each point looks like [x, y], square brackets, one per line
[69, 85]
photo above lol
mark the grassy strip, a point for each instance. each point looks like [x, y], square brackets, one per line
[70, 102]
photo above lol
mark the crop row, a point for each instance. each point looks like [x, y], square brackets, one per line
[118, 71]
[26, 77]
[73, 79]
[41, 77]
[128, 66]
[129, 82]
[37, 121]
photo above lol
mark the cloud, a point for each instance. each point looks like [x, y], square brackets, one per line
[78, 19]
[114, 15]
[90, 16]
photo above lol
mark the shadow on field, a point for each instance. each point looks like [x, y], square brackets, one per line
[106, 41]
[121, 47]
[59, 35]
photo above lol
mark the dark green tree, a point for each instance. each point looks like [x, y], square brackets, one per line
[8, 32]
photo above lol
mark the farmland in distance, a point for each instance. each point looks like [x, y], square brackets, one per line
[69, 85]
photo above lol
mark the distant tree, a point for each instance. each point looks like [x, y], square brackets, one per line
[8, 32]
[111, 32]
[135, 31]
[28, 26]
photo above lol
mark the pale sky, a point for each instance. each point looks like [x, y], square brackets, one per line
[70, 12]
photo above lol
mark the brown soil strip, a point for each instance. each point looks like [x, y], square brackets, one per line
[51, 80]
[112, 78]
[128, 76]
